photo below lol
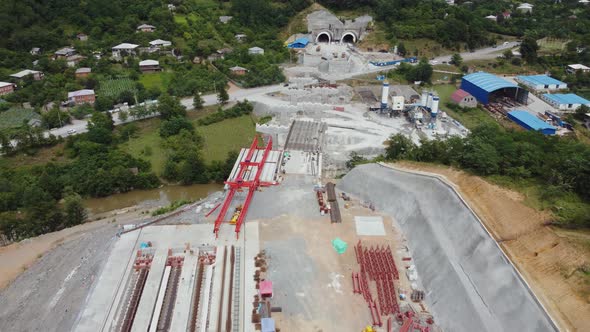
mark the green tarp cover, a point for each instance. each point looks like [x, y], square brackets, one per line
[339, 245]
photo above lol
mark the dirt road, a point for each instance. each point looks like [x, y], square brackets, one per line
[548, 258]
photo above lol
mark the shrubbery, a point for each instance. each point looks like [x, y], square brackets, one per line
[241, 108]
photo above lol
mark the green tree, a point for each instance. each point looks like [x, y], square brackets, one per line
[174, 126]
[123, 116]
[401, 49]
[197, 101]
[581, 112]
[55, 118]
[456, 59]
[399, 147]
[528, 49]
[169, 107]
[222, 96]
[508, 54]
[74, 210]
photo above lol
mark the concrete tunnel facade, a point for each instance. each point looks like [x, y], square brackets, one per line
[470, 284]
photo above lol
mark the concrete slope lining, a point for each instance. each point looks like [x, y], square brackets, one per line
[471, 285]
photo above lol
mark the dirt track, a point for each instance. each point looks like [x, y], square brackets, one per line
[548, 258]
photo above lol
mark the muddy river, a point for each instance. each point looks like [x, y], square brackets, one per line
[160, 196]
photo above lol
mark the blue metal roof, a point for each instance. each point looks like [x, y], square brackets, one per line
[298, 43]
[488, 82]
[540, 80]
[566, 98]
[530, 120]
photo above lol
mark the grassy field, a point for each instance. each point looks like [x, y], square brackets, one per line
[146, 144]
[159, 80]
[507, 68]
[471, 118]
[444, 92]
[14, 117]
[551, 45]
[426, 48]
[228, 135]
[220, 138]
[114, 87]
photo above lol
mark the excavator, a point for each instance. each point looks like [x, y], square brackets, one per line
[369, 328]
[236, 215]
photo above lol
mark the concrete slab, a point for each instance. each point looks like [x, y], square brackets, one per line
[369, 226]
[216, 290]
[186, 284]
[147, 303]
[99, 309]
[252, 248]
[301, 162]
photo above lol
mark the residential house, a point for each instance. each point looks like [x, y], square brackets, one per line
[463, 99]
[197, 60]
[149, 66]
[224, 51]
[85, 96]
[171, 7]
[37, 75]
[124, 49]
[241, 37]
[146, 28]
[525, 8]
[255, 50]
[159, 43]
[74, 60]
[35, 51]
[491, 18]
[83, 72]
[64, 53]
[572, 69]
[506, 15]
[82, 37]
[6, 88]
[225, 19]
[214, 57]
[239, 71]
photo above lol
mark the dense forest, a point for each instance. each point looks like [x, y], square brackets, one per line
[559, 166]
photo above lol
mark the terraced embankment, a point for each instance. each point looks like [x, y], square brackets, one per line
[471, 285]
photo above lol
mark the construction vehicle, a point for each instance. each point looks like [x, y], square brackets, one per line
[236, 215]
[369, 328]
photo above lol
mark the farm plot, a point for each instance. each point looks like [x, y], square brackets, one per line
[16, 117]
[114, 87]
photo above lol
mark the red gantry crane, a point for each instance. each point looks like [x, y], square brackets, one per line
[238, 182]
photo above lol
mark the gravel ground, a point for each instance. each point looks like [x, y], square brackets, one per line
[48, 296]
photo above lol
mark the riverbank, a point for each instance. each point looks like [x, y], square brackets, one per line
[44, 281]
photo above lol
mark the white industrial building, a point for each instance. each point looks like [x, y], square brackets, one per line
[541, 82]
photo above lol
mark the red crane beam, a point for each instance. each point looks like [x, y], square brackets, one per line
[239, 183]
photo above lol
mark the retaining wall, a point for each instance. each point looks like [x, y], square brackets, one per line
[470, 284]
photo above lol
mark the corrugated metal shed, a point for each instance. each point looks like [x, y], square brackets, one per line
[531, 122]
[541, 80]
[481, 84]
[566, 98]
[488, 82]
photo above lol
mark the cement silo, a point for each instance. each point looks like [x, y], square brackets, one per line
[384, 95]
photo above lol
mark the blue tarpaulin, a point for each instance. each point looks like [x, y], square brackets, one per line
[299, 43]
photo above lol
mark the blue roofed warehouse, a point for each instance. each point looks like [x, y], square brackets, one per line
[565, 101]
[541, 82]
[531, 122]
[486, 87]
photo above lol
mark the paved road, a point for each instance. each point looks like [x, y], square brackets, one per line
[482, 53]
